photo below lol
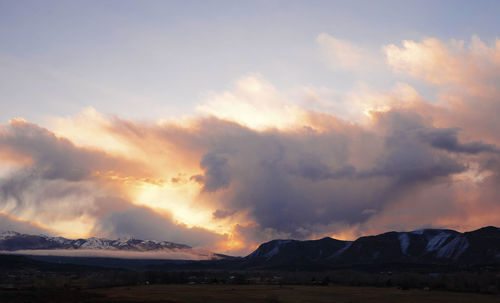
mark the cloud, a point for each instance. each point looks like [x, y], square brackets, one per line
[144, 223]
[447, 139]
[467, 77]
[54, 157]
[217, 174]
[298, 182]
[343, 54]
[315, 170]
[357, 106]
[258, 164]
[253, 102]
[65, 185]
[221, 214]
[26, 192]
[11, 223]
[406, 157]
[57, 204]
[429, 60]
[441, 64]
[288, 187]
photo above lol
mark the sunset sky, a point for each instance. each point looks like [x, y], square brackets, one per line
[224, 124]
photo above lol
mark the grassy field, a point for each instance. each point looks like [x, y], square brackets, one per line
[275, 294]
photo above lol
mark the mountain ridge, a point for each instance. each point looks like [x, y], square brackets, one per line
[442, 247]
[424, 246]
[12, 241]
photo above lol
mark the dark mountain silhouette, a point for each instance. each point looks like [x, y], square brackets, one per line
[427, 246]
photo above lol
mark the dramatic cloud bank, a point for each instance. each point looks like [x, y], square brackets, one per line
[256, 163]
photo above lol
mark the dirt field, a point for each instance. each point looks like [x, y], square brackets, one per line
[275, 294]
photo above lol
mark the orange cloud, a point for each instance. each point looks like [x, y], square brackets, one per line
[441, 64]
[10, 222]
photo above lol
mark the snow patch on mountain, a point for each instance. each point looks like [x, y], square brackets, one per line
[436, 241]
[123, 241]
[339, 252]
[453, 249]
[60, 240]
[272, 252]
[404, 242]
[269, 250]
[16, 241]
[8, 234]
[95, 243]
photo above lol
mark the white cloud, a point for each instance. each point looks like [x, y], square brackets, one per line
[342, 54]
[253, 102]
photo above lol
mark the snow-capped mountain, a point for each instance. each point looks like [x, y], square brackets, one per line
[420, 247]
[12, 241]
[427, 246]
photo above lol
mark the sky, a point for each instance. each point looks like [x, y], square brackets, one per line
[224, 124]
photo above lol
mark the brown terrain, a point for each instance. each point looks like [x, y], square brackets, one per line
[275, 293]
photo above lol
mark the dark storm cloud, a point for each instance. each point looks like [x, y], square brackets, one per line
[411, 163]
[217, 173]
[221, 214]
[447, 139]
[414, 149]
[312, 168]
[286, 181]
[294, 183]
[299, 182]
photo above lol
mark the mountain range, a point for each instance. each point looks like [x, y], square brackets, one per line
[12, 241]
[426, 246]
[442, 247]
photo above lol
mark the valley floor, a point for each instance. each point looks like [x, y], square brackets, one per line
[275, 294]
